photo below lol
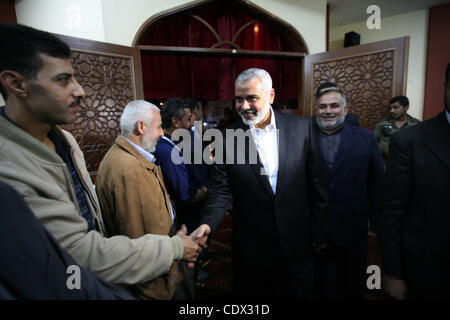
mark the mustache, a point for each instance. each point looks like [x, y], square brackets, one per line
[248, 111]
[76, 102]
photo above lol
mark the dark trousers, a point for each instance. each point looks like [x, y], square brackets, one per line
[272, 283]
[341, 271]
[427, 274]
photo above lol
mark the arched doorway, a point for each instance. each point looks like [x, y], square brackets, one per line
[199, 49]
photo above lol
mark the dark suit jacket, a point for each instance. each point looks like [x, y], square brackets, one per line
[354, 184]
[268, 227]
[33, 265]
[415, 215]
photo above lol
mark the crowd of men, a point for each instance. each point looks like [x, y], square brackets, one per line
[303, 192]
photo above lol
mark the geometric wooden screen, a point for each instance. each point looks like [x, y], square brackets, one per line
[111, 77]
[370, 75]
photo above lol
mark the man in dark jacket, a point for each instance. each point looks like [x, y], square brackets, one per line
[354, 173]
[34, 266]
[279, 199]
[414, 219]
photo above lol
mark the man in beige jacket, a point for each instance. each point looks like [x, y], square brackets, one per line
[46, 166]
[131, 190]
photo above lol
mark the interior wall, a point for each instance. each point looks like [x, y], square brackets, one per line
[308, 17]
[414, 25]
[117, 21]
[77, 18]
[438, 58]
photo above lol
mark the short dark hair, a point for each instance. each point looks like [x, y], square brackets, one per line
[192, 103]
[21, 46]
[325, 85]
[402, 100]
[173, 107]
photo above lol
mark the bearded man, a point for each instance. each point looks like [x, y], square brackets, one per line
[278, 201]
[354, 172]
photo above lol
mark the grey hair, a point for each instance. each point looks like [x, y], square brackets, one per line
[134, 111]
[256, 73]
[328, 90]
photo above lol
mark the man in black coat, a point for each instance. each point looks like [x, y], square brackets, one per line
[354, 175]
[34, 266]
[414, 222]
[276, 189]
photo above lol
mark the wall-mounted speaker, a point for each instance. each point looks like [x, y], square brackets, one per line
[351, 39]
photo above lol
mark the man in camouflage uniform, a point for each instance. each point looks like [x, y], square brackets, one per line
[399, 119]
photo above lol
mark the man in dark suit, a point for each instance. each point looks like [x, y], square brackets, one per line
[351, 119]
[34, 266]
[414, 220]
[354, 174]
[279, 199]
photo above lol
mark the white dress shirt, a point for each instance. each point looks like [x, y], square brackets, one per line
[266, 141]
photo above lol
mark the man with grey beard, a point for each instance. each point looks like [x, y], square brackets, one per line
[414, 217]
[354, 171]
[131, 191]
[279, 201]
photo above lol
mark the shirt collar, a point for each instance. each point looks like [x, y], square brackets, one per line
[147, 155]
[272, 126]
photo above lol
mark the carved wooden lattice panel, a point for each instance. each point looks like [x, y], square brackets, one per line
[108, 83]
[367, 81]
[370, 75]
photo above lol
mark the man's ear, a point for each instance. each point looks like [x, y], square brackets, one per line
[139, 130]
[14, 83]
[175, 122]
[271, 95]
[346, 110]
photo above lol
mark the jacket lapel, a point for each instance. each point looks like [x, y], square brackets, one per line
[258, 167]
[316, 132]
[437, 138]
[345, 147]
[283, 142]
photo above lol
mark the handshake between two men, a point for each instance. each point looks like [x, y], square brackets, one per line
[193, 243]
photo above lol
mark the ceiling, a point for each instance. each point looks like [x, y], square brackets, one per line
[344, 12]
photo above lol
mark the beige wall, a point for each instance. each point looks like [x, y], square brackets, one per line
[77, 18]
[117, 21]
[413, 24]
[308, 17]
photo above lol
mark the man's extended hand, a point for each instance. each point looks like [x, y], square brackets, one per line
[201, 235]
[191, 247]
[395, 287]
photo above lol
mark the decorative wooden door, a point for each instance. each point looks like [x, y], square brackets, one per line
[369, 74]
[111, 77]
